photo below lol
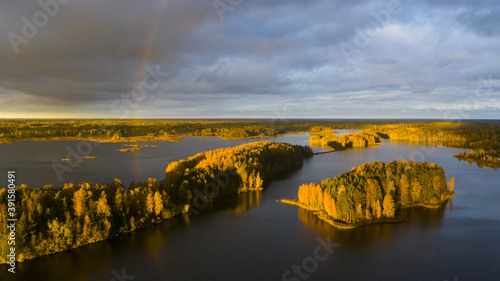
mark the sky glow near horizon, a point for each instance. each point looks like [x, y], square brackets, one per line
[250, 59]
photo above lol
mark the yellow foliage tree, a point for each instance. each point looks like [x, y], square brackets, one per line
[79, 202]
[304, 194]
[378, 209]
[405, 190]
[158, 202]
[389, 207]
[416, 189]
[451, 183]
[103, 208]
[150, 205]
[318, 196]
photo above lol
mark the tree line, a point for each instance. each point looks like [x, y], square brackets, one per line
[239, 169]
[481, 158]
[468, 134]
[377, 190]
[51, 219]
[112, 130]
[327, 138]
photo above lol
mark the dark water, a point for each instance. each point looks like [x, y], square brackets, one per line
[254, 237]
[34, 161]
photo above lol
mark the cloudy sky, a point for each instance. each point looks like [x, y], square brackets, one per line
[250, 58]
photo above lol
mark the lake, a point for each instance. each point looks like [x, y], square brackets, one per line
[255, 237]
[34, 160]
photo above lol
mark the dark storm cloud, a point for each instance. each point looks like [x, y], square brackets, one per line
[251, 58]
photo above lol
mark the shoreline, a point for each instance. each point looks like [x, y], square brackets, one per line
[100, 140]
[346, 226]
[477, 160]
[136, 139]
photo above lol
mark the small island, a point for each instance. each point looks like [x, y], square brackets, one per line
[325, 137]
[137, 145]
[481, 158]
[374, 192]
[129, 149]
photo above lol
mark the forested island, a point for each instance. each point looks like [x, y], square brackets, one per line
[52, 220]
[325, 137]
[374, 192]
[469, 134]
[481, 158]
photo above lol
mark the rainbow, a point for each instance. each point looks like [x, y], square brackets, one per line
[147, 46]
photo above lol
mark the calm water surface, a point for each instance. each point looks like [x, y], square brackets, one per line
[254, 237]
[34, 161]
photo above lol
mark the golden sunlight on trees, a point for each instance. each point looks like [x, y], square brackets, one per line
[57, 219]
[389, 207]
[365, 194]
[327, 138]
[469, 134]
[451, 183]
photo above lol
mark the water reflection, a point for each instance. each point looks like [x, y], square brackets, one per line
[97, 259]
[231, 204]
[429, 245]
[415, 218]
[242, 202]
[479, 164]
[90, 259]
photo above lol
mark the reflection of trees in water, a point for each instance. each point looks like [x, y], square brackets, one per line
[61, 266]
[352, 237]
[231, 204]
[479, 164]
[242, 202]
[416, 217]
[99, 257]
[422, 215]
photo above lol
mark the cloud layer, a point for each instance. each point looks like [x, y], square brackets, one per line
[241, 58]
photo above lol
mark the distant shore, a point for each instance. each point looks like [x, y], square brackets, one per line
[143, 138]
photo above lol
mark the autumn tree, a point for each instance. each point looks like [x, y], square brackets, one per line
[158, 203]
[404, 186]
[304, 194]
[103, 209]
[389, 207]
[80, 202]
[358, 196]
[416, 189]
[378, 210]
[451, 184]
